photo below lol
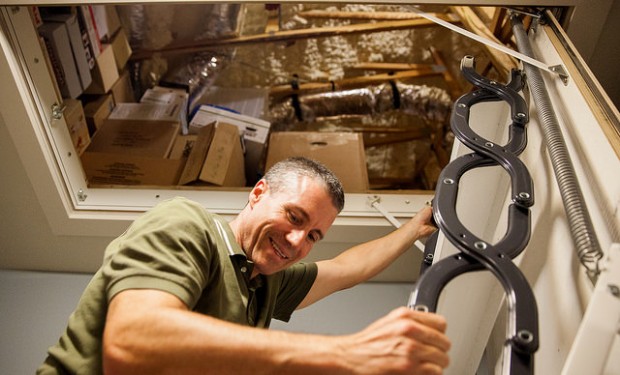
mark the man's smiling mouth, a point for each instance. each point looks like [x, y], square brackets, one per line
[277, 250]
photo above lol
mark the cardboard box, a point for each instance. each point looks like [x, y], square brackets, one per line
[171, 97]
[253, 130]
[61, 56]
[76, 124]
[80, 56]
[246, 101]
[122, 90]
[343, 153]
[216, 158]
[105, 73]
[106, 20]
[145, 111]
[126, 152]
[97, 111]
[103, 168]
[183, 146]
[121, 48]
[134, 137]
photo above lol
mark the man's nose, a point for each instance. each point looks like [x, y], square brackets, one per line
[296, 237]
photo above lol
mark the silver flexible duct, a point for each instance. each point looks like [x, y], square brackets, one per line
[588, 249]
[432, 104]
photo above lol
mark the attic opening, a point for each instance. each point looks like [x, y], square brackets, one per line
[378, 79]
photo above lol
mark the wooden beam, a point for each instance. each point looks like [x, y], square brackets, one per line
[392, 67]
[454, 88]
[497, 22]
[349, 83]
[502, 62]
[373, 15]
[286, 36]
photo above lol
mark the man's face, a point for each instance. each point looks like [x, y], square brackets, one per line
[283, 226]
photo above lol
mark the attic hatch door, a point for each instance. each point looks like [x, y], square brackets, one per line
[55, 171]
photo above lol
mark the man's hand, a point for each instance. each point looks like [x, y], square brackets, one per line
[422, 223]
[403, 342]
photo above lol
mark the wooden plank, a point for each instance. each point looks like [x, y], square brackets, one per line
[398, 66]
[502, 62]
[373, 15]
[286, 36]
[350, 82]
[454, 88]
[499, 16]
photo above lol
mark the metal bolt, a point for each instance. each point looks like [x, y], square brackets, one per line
[428, 259]
[448, 181]
[520, 115]
[525, 336]
[480, 245]
[244, 269]
[81, 195]
[524, 195]
[489, 144]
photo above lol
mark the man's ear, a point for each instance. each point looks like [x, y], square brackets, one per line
[257, 192]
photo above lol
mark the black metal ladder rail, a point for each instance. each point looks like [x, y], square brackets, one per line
[476, 254]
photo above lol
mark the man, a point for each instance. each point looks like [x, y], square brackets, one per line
[182, 290]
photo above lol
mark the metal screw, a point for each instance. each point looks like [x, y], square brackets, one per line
[520, 115]
[524, 195]
[428, 259]
[480, 245]
[448, 181]
[81, 195]
[615, 291]
[489, 144]
[525, 336]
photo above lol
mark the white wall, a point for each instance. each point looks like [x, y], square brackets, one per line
[36, 305]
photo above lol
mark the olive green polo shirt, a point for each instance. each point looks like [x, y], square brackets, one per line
[181, 248]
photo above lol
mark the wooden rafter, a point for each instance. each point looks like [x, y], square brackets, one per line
[373, 15]
[287, 36]
[503, 63]
[349, 83]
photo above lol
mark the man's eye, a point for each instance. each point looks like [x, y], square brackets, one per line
[293, 218]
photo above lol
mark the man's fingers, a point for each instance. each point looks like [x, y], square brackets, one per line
[433, 320]
[430, 329]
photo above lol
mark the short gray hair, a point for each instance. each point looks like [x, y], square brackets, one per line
[278, 177]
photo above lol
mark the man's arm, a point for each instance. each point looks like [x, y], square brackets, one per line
[152, 332]
[366, 260]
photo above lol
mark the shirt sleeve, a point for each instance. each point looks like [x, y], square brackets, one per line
[168, 249]
[295, 285]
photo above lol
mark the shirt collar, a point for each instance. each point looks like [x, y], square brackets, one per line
[237, 255]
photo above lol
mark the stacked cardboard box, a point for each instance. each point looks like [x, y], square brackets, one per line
[343, 153]
[133, 152]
